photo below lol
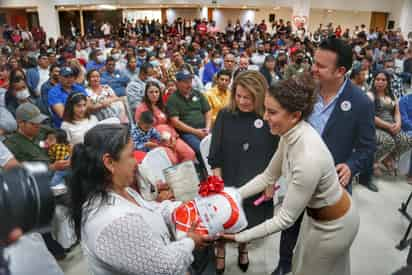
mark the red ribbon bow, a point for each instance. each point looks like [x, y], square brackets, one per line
[212, 185]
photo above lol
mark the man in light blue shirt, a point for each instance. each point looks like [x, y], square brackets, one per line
[114, 78]
[321, 111]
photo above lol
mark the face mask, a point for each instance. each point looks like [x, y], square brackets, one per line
[151, 78]
[23, 94]
[154, 63]
[116, 56]
[390, 70]
[162, 55]
[101, 58]
[143, 58]
[217, 61]
[149, 49]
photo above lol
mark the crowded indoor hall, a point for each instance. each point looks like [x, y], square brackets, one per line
[206, 137]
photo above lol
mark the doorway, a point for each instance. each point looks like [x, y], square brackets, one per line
[379, 21]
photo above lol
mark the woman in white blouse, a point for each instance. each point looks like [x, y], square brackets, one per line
[104, 103]
[331, 221]
[119, 231]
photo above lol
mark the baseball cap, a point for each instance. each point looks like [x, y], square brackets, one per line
[29, 112]
[66, 72]
[183, 75]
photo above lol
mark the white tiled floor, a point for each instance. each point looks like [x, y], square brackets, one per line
[373, 252]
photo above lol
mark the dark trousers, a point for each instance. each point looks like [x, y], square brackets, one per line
[288, 239]
[203, 261]
[366, 175]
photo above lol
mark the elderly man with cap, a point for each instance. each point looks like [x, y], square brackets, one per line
[189, 111]
[24, 144]
[58, 94]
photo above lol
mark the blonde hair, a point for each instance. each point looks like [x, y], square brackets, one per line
[256, 84]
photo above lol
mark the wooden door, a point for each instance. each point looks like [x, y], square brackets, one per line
[379, 20]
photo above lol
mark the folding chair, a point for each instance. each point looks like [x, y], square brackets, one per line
[403, 209]
[151, 171]
[204, 151]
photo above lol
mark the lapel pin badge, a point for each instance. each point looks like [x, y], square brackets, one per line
[346, 106]
[258, 123]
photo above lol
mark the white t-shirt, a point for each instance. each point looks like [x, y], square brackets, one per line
[76, 131]
[44, 76]
[2, 97]
[258, 59]
[5, 155]
[105, 29]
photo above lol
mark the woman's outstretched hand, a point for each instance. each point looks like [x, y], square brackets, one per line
[228, 237]
[201, 241]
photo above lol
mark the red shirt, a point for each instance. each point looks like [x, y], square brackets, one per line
[202, 28]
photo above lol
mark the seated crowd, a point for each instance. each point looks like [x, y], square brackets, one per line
[170, 84]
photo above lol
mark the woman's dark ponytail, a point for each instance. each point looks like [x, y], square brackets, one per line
[90, 178]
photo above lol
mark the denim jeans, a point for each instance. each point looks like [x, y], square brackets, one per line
[193, 142]
[58, 177]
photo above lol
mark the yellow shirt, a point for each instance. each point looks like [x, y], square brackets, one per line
[217, 100]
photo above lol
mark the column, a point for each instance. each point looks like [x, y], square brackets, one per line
[82, 32]
[300, 13]
[405, 20]
[204, 13]
[49, 18]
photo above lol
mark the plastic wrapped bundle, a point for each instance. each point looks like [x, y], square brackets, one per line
[217, 209]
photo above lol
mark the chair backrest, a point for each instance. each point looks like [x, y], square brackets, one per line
[153, 164]
[151, 171]
[404, 162]
[204, 151]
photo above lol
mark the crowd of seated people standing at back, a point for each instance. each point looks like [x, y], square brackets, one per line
[168, 81]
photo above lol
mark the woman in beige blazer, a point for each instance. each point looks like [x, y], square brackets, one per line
[331, 221]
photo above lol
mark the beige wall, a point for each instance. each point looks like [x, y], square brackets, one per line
[282, 13]
[173, 14]
[221, 16]
[346, 19]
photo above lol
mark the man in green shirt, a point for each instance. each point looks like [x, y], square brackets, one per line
[24, 145]
[25, 142]
[189, 111]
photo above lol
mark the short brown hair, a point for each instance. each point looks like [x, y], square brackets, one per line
[256, 84]
[295, 94]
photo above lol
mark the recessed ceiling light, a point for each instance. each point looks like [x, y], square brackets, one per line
[106, 7]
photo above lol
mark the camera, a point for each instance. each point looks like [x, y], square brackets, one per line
[26, 200]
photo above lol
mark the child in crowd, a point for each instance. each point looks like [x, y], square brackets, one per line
[170, 89]
[58, 149]
[146, 137]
